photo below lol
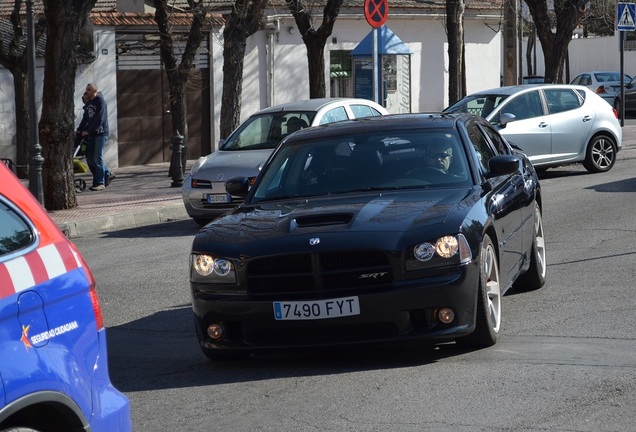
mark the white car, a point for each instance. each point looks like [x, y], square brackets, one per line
[553, 124]
[245, 151]
[606, 84]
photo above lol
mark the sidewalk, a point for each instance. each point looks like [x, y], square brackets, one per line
[142, 195]
[138, 196]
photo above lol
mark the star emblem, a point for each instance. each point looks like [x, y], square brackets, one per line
[25, 337]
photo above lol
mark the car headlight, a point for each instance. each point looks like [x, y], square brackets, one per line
[197, 165]
[449, 249]
[208, 269]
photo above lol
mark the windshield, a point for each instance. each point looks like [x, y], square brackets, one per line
[265, 131]
[481, 105]
[426, 158]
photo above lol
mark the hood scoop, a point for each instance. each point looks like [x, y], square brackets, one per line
[323, 220]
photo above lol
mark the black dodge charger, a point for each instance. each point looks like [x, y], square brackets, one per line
[398, 228]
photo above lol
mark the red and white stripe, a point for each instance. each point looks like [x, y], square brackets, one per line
[36, 267]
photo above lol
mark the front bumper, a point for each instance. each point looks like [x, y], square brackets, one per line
[404, 311]
[196, 202]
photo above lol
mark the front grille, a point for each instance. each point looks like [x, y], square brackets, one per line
[320, 272]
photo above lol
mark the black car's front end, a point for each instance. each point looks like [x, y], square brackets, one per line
[334, 286]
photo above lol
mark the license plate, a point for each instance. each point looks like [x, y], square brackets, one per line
[218, 198]
[318, 309]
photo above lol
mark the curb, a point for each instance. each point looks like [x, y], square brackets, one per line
[123, 220]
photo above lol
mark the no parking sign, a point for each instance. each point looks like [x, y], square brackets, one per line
[376, 12]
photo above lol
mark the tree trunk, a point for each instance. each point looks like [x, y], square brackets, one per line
[455, 28]
[234, 45]
[555, 45]
[15, 60]
[57, 122]
[178, 74]
[530, 47]
[315, 41]
[243, 21]
[316, 64]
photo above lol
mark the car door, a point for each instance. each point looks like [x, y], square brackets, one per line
[503, 201]
[524, 184]
[571, 122]
[531, 129]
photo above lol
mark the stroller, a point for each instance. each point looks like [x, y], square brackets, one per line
[79, 162]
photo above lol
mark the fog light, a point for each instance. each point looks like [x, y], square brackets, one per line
[215, 331]
[446, 315]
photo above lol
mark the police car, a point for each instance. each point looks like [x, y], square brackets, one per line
[53, 357]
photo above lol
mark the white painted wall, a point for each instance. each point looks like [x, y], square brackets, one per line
[425, 36]
[588, 54]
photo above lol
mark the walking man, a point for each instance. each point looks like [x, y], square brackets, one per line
[94, 125]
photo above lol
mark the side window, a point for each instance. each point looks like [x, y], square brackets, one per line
[364, 111]
[334, 115]
[560, 100]
[525, 106]
[15, 233]
[495, 138]
[483, 149]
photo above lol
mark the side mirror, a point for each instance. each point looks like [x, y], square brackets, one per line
[506, 118]
[502, 165]
[238, 186]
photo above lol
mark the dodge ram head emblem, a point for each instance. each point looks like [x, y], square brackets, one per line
[314, 241]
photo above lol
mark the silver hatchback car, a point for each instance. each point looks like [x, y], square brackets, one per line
[553, 124]
[245, 151]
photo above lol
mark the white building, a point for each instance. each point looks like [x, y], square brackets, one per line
[127, 68]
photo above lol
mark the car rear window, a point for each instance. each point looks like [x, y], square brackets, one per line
[364, 111]
[561, 100]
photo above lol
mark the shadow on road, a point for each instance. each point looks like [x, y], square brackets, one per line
[627, 185]
[161, 351]
[180, 228]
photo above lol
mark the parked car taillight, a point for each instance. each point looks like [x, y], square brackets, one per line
[601, 90]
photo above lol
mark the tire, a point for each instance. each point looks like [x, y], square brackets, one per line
[19, 429]
[488, 316]
[601, 154]
[534, 277]
[80, 185]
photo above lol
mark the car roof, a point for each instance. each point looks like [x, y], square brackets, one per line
[510, 90]
[381, 123]
[314, 104]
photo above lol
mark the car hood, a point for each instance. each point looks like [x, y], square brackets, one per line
[222, 165]
[363, 219]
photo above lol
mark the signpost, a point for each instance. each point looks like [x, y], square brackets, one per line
[625, 21]
[376, 12]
